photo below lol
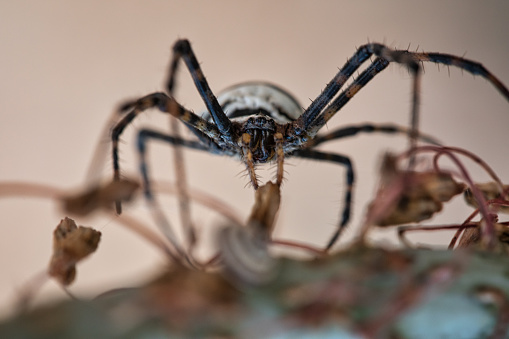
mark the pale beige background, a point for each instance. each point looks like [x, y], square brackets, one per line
[65, 65]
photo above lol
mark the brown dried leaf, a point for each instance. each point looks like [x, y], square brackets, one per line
[490, 191]
[410, 210]
[420, 194]
[70, 245]
[100, 197]
[471, 238]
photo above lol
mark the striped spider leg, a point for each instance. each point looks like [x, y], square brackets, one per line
[260, 122]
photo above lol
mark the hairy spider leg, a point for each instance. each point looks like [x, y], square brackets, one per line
[247, 155]
[166, 105]
[350, 131]
[379, 65]
[386, 55]
[280, 155]
[181, 184]
[178, 158]
[342, 160]
[143, 136]
[182, 49]
[223, 126]
[470, 66]
[344, 97]
[346, 132]
[146, 134]
[331, 89]
[315, 155]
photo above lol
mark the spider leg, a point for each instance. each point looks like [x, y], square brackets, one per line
[470, 66]
[342, 160]
[313, 121]
[178, 159]
[181, 183]
[349, 131]
[344, 97]
[143, 137]
[182, 49]
[369, 73]
[247, 156]
[331, 89]
[166, 104]
[146, 134]
[280, 154]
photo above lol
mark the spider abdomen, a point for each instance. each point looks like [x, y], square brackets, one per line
[256, 109]
[251, 98]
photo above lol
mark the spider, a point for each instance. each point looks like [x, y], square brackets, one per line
[260, 122]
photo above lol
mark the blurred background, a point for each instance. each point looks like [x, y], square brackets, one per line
[65, 66]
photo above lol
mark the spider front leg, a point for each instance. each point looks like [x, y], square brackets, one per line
[182, 49]
[280, 154]
[317, 115]
[342, 160]
[143, 137]
[247, 156]
[345, 132]
[147, 134]
[350, 131]
[207, 132]
[165, 104]
[324, 107]
[178, 159]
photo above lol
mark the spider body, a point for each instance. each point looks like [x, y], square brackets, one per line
[251, 98]
[258, 111]
[259, 122]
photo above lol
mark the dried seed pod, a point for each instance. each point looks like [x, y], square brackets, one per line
[100, 197]
[71, 244]
[490, 190]
[439, 185]
[411, 209]
[471, 238]
[416, 195]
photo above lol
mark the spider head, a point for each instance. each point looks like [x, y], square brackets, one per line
[258, 135]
